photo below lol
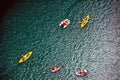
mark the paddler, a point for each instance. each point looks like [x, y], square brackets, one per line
[81, 73]
[23, 58]
[56, 68]
[64, 23]
[84, 20]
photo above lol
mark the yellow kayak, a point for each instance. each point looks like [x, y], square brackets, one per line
[25, 57]
[85, 21]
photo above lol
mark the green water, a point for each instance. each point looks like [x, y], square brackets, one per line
[32, 25]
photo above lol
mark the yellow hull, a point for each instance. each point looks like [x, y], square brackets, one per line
[25, 57]
[84, 22]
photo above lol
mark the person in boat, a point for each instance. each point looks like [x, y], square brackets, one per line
[56, 68]
[27, 55]
[65, 23]
[84, 20]
[81, 73]
[23, 58]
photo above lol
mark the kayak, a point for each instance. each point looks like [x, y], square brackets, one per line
[81, 73]
[55, 68]
[85, 21]
[64, 23]
[25, 57]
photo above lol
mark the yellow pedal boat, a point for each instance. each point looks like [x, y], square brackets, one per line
[85, 21]
[25, 57]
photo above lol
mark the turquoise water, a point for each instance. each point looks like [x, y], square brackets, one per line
[33, 26]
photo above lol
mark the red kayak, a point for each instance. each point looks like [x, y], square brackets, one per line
[55, 68]
[81, 73]
[64, 23]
